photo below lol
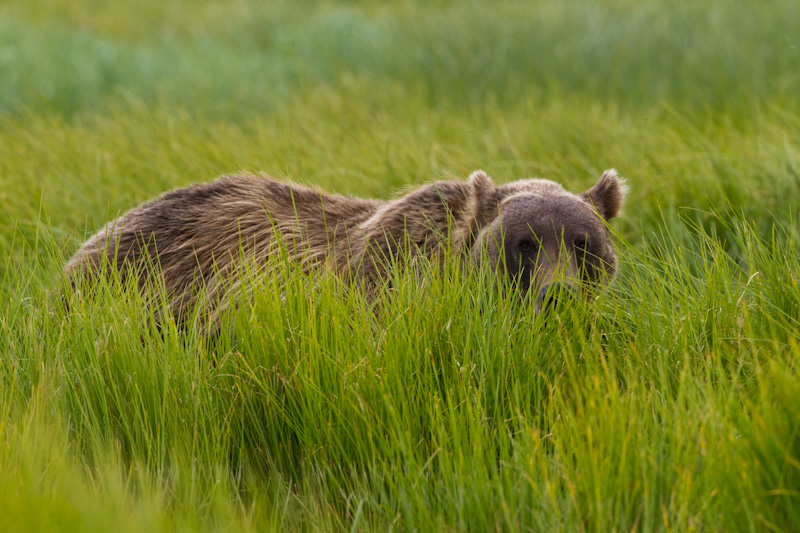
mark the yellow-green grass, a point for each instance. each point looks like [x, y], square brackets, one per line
[669, 403]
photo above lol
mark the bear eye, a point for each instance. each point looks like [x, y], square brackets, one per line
[525, 246]
[580, 245]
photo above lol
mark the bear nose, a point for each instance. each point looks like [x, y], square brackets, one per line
[553, 293]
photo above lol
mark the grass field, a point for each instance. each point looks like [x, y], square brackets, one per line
[672, 403]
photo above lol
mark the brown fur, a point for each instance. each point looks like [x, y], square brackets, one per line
[197, 236]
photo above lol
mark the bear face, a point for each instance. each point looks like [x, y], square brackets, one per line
[550, 243]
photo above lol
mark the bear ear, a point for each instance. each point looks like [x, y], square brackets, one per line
[482, 197]
[607, 194]
[480, 181]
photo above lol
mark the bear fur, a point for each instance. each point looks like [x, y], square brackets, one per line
[195, 238]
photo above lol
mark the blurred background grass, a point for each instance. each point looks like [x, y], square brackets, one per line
[240, 57]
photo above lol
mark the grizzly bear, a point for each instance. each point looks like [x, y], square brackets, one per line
[195, 238]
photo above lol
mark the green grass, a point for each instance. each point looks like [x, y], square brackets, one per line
[670, 403]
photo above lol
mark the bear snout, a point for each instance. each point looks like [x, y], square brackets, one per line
[553, 294]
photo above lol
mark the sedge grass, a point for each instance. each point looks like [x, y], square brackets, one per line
[447, 405]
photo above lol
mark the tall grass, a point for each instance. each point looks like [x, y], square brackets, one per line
[440, 403]
[667, 403]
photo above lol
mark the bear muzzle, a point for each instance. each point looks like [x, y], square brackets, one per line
[553, 295]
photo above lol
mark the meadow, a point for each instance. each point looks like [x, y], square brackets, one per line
[669, 403]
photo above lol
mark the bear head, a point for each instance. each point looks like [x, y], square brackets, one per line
[545, 241]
